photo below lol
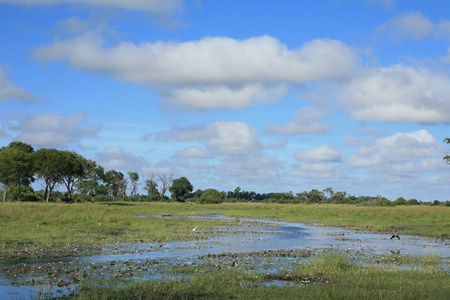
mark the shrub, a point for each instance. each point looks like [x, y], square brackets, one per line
[101, 198]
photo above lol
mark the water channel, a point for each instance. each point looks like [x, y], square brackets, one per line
[260, 245]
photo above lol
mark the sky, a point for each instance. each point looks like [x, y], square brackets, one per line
[268, 96]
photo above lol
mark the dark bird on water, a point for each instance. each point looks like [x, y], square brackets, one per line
[395, 236]
[395, 252]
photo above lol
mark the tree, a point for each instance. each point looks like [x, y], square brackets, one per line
[134, 182]
[210, 196]
[116, 183]
[151, 186]
[48, 164]
[166, 180]
[180, 187]
[71, 171]
[16, 168]
[21, 146]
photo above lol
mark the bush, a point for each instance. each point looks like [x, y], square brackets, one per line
[101, 198]
[82, 198]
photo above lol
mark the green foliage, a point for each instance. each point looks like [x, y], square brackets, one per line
[400, 201]
[412, 202]
[82, 198]
[211, 196]
[180, 187]
[16, 168]
[101, 198]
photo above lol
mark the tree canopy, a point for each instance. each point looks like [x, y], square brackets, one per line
[180, 187]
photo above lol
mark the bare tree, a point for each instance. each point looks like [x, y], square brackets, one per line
[151, 185]
[166, 181]
[134, 183]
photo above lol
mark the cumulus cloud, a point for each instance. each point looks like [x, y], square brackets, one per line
[116, 158]
[305, 121]
[412, 25]
[9, 91]
[224, 138]
[157, 7]
[52, 129]
[209, 73]
[400, 155]
[255, 168]
[398, 94]
[222, 97]
[316, 170]
[324, 153]
[192, 152]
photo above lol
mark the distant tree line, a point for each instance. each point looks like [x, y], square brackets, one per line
[82, 180]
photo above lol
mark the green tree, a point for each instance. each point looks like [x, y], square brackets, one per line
[48, 164]
[180, 188]
[211, 196]
[21, 146]
[400, 201]
[116, 184]
[16, 168]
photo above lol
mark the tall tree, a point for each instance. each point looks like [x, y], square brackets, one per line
[116, 184]
[48, 164]
[151, 186]
[134, 183]
[166, 180]
[180, 187]
[71, 171]
[16, 168]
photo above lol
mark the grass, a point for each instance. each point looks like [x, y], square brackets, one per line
[44, 223]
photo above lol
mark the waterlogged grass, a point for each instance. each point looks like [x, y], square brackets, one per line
[59, 224]
[328, 276]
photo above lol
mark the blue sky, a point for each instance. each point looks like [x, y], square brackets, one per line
[270, 96]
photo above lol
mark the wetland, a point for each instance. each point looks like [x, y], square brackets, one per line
[152, 251]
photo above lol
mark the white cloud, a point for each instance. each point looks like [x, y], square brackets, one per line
[116, 158]
[222, 97]
[225, 138]
[324, 153]
[316, 170]
[412, 25]
[192, 152]
[399, 156]
[305, 121]
[398, 94]
[209, 73]
[52, 129]
[9, 91]
[158, 7]
[251, 168]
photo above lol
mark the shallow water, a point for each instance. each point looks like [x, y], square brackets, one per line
[261, 245]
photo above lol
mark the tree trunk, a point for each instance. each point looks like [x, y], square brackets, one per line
[4, 193]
